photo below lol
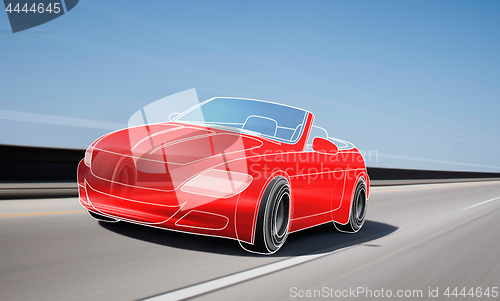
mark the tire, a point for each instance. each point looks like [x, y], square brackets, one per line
[118, 169]
[102, 218]
[273, 218]
[124, 173]
[357, 214]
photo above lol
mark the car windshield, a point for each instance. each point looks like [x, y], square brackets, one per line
[271, 120]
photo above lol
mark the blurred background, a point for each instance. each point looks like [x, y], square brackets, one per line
[415, 84]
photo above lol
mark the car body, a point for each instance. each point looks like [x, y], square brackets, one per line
[212, 169]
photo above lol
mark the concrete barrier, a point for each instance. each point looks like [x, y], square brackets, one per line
[41, 172]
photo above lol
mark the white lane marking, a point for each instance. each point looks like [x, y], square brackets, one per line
[225, 281]
[481, 203]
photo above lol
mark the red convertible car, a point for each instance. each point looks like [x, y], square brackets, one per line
[244, 169]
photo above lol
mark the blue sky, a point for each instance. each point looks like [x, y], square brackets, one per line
[415, 81]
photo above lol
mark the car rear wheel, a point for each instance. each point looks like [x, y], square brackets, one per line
[273, 217]
[358, 210]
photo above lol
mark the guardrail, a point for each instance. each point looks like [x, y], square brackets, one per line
[36, 172]
[38, 190]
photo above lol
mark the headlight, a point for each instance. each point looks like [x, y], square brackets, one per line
[88, 155]
[218, 183]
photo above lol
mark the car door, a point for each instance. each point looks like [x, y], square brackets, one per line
[314, 183]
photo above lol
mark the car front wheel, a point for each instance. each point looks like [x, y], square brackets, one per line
[273, 217]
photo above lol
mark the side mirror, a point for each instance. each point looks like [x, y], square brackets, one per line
[173, 116]
[322, 145]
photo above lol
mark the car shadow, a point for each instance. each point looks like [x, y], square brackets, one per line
[320, 239]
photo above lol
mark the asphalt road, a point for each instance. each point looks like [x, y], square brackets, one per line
[417, 238]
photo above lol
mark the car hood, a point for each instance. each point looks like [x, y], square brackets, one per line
[167, 155]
